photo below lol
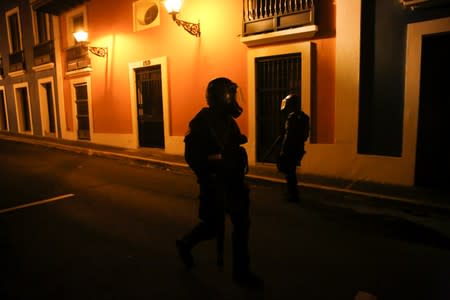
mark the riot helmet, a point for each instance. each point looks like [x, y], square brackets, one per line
[221, 95]
[291, 103]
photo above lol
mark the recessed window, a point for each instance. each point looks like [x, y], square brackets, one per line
[14, 30]
[41, 27]
[23, 110]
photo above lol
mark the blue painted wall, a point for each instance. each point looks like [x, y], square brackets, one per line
[383, 44]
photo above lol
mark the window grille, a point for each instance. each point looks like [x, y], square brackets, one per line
[276, 77]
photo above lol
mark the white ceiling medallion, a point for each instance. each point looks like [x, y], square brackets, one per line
[145, 14]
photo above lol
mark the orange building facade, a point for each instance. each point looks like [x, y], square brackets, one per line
[187, 64]
[152, 79]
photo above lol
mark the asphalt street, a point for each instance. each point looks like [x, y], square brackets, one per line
[76, 226]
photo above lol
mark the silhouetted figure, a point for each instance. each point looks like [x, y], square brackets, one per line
[213, 150]
[293, 138]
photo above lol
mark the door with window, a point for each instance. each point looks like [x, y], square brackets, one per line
[150, 106]
[276, 77]
[82, 111]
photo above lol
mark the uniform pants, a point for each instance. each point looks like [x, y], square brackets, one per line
[229, 199]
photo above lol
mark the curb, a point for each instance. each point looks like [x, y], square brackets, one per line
[165, 163]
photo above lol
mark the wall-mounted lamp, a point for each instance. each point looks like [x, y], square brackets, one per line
[173, 8]
[81, 36]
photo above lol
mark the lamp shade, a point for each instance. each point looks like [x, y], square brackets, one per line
[173, 6]
[80, 36]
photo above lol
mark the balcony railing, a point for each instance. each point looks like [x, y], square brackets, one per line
[16, 61]
[262, 16]
[78, 57]
[43, 53]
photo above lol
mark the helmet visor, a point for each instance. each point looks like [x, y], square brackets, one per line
[283, 104]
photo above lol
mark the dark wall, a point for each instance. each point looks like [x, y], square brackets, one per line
[383, 44]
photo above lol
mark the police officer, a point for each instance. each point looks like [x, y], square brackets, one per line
[213, 150]
[293, 138]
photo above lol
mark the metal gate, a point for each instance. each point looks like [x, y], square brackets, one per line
[149, 106]
[276, 77]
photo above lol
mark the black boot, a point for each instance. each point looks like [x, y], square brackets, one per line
[203, 231]
[241, 259]
[184, 251]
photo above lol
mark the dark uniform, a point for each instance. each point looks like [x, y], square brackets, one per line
[294, 135]
[213, 150]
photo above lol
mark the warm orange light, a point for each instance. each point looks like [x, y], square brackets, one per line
[173, 6]
[80, 36]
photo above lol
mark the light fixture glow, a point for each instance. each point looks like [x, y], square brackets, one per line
[80, 36]
[173, 6]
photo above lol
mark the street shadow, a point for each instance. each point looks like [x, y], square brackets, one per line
[199, 288]
[395, 227]
[390, 227]
[401, 229]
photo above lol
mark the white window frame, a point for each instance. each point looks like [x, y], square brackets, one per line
[2, 89]
[82, 80]
[8, 14]
[69, 21]
[414, 38]
[305, 49]
[44, 109]
[18, 105]
[35, 27]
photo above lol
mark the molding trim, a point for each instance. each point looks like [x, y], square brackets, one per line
[84, 71]
[285, 35]
[17, 73]
[44, 67]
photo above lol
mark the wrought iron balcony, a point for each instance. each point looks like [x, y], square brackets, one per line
[44, 53]
[78, 57]
[16, 61]
[261, 16]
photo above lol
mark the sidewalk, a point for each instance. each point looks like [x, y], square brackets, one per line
[359, 194]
